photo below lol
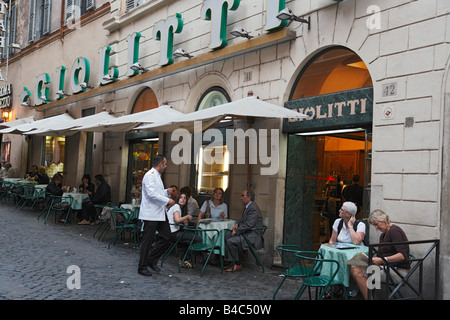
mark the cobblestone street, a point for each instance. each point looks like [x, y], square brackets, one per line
[34, 258]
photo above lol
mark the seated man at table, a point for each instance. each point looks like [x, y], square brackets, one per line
[33, 174]
[251, 218]
[55, 188]
[7, 171]
[347, 229]
[101, 197]
[43, 178]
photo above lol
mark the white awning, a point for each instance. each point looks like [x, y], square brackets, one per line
[39, 124]
[69, 127]
[130, 121]
[250, 107]
[18, 122]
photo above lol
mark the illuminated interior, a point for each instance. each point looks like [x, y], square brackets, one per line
[54, 155]
[331, 156]
[333, 71]
[142, 151]
[212, 174]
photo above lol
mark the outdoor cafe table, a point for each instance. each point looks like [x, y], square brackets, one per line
[19, 181]
[341, 256]
[39, 191]
[219, 224]
[77, 199]
[132, 207]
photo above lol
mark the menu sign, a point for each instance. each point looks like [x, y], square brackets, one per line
[5, 95]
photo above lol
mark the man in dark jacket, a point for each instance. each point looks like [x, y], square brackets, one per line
[251, 218]
[101, 196]
[55, 188]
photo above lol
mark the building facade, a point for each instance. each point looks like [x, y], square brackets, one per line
[372, 77]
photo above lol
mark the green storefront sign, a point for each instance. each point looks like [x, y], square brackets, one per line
[331, 111]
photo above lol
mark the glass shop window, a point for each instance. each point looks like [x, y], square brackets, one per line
[211, 174]
[54, 155]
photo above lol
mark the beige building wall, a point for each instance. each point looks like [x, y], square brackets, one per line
[398, 49]
[59, 48]
[404, 44]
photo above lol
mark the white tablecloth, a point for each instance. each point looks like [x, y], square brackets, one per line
[77, 199]
[219, 225]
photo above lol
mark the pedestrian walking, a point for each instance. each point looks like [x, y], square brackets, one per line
[153, 214]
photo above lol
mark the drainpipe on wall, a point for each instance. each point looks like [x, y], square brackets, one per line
[61, 22]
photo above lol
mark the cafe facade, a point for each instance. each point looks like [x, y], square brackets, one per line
[370, 76]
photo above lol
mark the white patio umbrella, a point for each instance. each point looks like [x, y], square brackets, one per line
[38, 124]
[69, 127]
[9, 124]
[130, 121]
[250, 107]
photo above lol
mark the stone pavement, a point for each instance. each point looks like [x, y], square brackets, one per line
[34, 261]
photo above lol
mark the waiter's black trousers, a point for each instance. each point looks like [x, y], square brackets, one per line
[161, 245]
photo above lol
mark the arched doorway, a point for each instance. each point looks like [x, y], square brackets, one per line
[329, 149]
[206, 176]
[143, 146]
[146, 100]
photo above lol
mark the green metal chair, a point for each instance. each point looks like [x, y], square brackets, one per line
[120, 227]
[105, 224]
[292, 268]
[5, 190]
[27, 196]
[175, 243]
[14, 193]
[56, 207]
[46, 203]
[38, 197]
[202, 246]
[313, 279]
[252, 250]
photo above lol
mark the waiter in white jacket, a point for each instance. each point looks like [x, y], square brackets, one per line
[153, 213]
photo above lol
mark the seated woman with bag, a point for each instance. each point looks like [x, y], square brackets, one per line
[214, 208]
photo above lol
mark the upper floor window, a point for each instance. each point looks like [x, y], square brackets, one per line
[39, 19]
[77, 8]
[8, 34]
[131, 4]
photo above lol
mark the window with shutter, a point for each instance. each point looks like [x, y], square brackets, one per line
[70, 9]
[39, 19]
[46, 17]
[4, 33]
[31, 22]
[131, 4]
[12, 28]
[90, 4]
[76, 8]
[10, 21]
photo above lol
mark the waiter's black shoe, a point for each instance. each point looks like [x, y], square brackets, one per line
[144, 272]
[154, 267]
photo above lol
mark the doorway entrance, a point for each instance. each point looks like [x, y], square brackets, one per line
[329, 152]
[334, 167]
